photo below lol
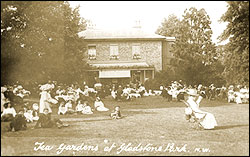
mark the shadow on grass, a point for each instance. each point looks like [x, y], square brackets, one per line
[124, 115]
[229, 126]
[131, 113]
[96, 120]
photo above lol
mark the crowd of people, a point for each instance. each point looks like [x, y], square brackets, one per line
[76, 99]
[233, 94]
[69, 100]
[192, 96]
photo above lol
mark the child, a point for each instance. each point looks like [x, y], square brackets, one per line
[79, 107]
[45, 121]
[28, 114]
[35, 108]
[69, 107]
[62, 108]
[8, 113]
[116, 114]
[19, 122]
[86, 108]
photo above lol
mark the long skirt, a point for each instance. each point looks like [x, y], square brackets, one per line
[208, 120]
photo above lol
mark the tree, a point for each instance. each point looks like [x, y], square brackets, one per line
[170, 27]
[194, 50]
[42, 43]
[237, 50]
[74, 46]
[13, 22]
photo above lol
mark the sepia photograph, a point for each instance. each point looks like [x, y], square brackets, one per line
[124, 78]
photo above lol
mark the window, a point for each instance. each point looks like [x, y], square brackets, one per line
[136, 51]
[114, 52]
[92, 52]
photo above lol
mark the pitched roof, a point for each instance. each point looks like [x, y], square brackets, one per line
[132, 33]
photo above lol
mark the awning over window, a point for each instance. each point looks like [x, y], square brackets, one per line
[120, 65]
[114, 73]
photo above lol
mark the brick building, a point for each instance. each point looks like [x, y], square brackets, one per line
[126, 55]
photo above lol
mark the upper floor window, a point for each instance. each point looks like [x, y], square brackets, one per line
[114, 51]
[92, 52]
[136, 52]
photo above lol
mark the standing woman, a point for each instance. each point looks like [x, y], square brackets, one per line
[205, 120]
[46, 99]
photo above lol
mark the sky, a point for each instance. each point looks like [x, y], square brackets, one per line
[123, 14]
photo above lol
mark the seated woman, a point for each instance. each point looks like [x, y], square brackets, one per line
[45, 121]
[99, 106]
[86, 108]
[205, 120]
[8, 113]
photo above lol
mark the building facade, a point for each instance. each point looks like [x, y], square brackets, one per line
[124, 56]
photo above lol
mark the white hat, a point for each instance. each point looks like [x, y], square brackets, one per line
[192, 92]
[45, 87]
[19, 87]
[231, 86]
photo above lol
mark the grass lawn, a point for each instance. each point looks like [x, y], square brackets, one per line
[148, 121]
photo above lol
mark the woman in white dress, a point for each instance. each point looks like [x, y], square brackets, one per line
[83, 108]
[99, 106]
[205, 120]
[86, 108]
[46, 100]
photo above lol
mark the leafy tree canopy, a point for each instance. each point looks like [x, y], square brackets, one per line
[40, 42]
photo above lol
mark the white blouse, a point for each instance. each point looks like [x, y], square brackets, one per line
[9, 111]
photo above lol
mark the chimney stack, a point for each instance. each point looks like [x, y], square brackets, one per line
[90, 24]
[137, 24]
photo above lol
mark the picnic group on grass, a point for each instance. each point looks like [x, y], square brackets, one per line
[75, 100]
